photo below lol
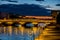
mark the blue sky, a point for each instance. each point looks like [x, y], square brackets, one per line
[45, 3]
[51, 3]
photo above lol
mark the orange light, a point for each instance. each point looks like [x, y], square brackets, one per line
[40, 17]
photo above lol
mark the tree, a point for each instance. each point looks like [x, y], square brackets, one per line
[58, 19]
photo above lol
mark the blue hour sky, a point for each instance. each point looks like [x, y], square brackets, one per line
[46, 4]
[49, 4]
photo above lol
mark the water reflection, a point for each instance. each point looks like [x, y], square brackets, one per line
[19, 33]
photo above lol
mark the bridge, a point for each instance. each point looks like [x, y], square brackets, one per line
[10, 30]
[10, 21]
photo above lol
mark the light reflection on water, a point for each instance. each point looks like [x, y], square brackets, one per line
[9, 33]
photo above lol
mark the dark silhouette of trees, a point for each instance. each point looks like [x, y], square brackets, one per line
[58, 19]
[13, 16]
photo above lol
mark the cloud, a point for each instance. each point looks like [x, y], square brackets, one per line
[6, 2]
[25, 9]
[57, 4]
[54, 8]
[39, 0]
